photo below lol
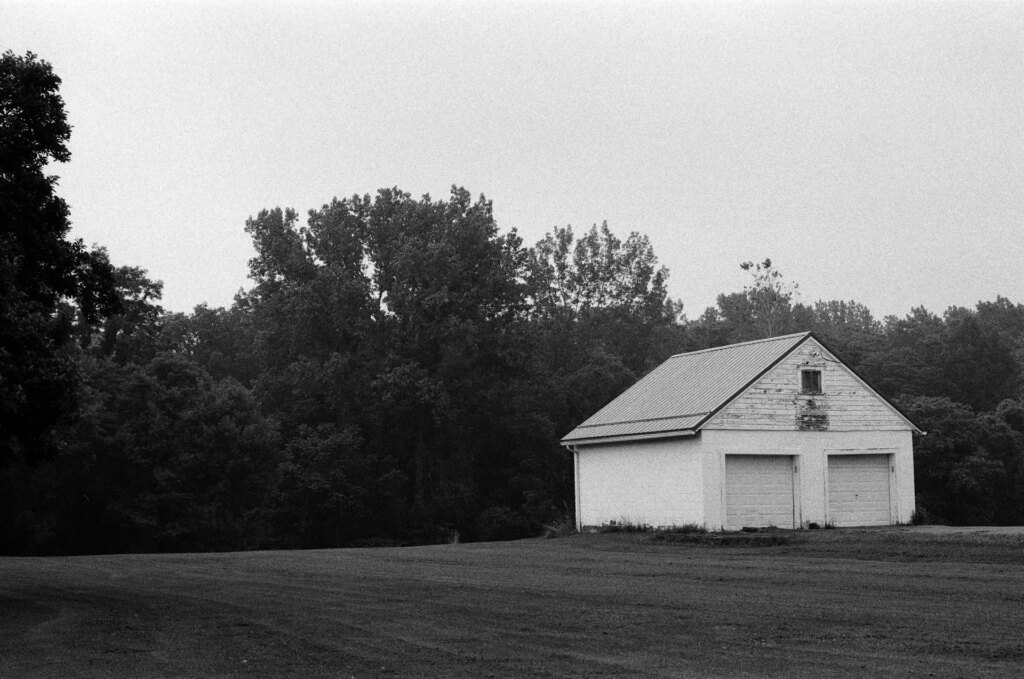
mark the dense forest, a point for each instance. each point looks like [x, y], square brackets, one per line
[400, 371]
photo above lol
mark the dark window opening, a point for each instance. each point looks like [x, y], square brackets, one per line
[810, 381]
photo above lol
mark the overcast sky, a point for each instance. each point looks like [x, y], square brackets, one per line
[875, 151]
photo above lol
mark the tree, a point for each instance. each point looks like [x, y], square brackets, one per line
[979, 367]
[967, 469]
[763, 309]
[164, 459]
[131, 332]
[598, 271]
[848, 328]
[961, 355]
[220, 340]
[452, 296]
[386, 335]
[604, 290]
[43, 275]
[1004, 322]
[770, 299]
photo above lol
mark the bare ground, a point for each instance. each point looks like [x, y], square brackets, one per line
[842, 603]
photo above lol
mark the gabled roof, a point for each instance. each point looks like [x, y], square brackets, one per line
[684, 392]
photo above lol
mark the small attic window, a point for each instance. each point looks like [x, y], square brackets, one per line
[810, 381]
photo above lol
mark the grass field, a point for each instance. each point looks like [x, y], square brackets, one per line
[843, 603]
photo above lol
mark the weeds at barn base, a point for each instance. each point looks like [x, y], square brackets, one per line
[772, 538]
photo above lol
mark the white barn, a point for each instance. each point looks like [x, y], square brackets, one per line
[775, 432]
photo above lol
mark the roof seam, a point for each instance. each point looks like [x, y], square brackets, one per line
[646, 419]
[610, 438]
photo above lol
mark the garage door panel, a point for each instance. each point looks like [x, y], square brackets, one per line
[759, 491]
[858, 490]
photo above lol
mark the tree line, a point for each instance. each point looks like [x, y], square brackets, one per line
[400, 371]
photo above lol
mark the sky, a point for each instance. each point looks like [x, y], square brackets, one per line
[874, 151]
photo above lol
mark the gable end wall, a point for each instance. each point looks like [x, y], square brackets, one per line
[775, 403]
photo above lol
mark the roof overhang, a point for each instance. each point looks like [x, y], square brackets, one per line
[597, 440]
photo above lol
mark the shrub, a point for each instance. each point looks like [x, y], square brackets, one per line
[685, 529]
[562, 526]
[624, 527]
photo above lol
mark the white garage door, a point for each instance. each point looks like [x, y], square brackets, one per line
[758, 491]
[858, 490]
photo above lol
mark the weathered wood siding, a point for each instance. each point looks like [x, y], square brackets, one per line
[774, 402]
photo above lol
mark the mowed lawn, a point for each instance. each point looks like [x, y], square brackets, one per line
[838, 603]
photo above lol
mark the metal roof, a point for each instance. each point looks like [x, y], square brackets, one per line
[684, 391]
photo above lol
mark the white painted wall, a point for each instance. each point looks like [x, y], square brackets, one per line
[657, 482]
[810, 450]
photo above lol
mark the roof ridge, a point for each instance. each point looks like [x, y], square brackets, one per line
[742, 344]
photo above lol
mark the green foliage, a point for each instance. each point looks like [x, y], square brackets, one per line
[968, 468]
[45, 279]
[329, 493]
[686, 528]
[598, 272]
[562, 526]
[387, 340]
[625, 526]
[769, 299]
[501, 523]
[161, 457]
[848, 328]
[968, 356]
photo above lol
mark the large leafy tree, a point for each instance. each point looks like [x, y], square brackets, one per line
[597, 292]
[848, 327]
[384, 334]
[44, 276]
[968, 469]
[451, 292]
[965, 355]
[599, 271]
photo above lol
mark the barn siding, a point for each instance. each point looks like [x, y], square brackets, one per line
[774, 402]
[657, 483]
